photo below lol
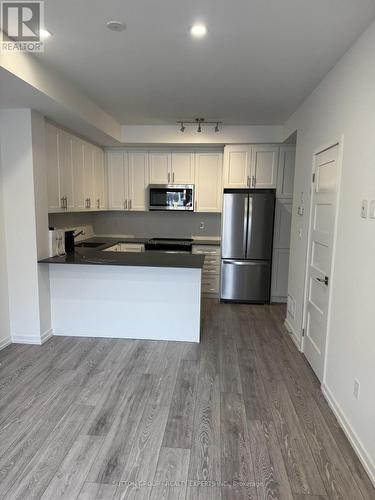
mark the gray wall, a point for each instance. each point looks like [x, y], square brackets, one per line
[69, 220]
[162, 224]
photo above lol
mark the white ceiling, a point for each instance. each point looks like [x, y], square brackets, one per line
[260, 59]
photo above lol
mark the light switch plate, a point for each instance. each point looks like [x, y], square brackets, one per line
[364, 209]
[372, 209]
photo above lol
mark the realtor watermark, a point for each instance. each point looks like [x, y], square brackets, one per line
[21, 26]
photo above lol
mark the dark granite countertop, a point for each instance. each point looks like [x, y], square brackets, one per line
[85, 256]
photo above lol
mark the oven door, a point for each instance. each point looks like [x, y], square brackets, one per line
[171, 197]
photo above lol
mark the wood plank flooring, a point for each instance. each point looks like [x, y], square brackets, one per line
[239, 416]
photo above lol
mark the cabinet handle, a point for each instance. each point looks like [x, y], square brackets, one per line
[66, 203]
[173, 177]
[126, 204]
[130, 204]
[98, 202]
[253, 181]
[62, 202]
[89, 200]
[248, 181]
[169, 177]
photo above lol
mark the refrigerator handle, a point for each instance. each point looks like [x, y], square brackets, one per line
[245, 223]
[249, 224]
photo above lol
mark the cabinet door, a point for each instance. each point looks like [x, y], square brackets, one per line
[182, 168]
[99, 179]
[116, 180]
[78, 174]
[138, 180]
[53, 175]
[88, 161]
[283, 222]
[208, 182]
[264, 166]
[279, 282]
[285, 172]
[237, 166]
[160, 167]
[66, 168]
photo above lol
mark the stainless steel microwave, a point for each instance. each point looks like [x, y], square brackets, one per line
[171, 197]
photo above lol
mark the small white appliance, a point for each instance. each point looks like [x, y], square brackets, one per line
[56, 242]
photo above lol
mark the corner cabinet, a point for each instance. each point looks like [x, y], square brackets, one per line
[249, 166]
[128, 178]
[208, 182]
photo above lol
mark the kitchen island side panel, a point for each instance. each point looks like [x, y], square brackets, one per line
[126, 302]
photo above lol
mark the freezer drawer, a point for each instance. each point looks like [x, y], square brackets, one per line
[245, 281]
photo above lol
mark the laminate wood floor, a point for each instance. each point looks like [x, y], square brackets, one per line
[239, 416]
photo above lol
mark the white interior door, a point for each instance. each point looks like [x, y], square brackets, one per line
[322, 229]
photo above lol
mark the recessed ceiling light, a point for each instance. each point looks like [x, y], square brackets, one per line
[198, 30]
[44, 34]
[116, 26]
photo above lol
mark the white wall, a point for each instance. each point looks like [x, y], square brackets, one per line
[4, 299]
[229, 134]
[344, 104]
[25, 223]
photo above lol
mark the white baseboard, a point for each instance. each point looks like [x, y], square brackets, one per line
[128, 337]
[5, 342]
[350, 433]
[34, 340]
[292, 334]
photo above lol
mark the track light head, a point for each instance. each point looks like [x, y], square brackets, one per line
[182, 127]
[217, 127]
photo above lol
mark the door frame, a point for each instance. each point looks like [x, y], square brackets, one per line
[340, 143]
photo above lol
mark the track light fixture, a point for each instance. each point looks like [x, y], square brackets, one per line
[199, 122]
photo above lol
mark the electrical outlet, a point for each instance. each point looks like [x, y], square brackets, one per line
[201, 225]
[364, 209]
[356, 389]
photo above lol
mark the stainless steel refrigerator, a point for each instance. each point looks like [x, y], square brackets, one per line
[246, 245]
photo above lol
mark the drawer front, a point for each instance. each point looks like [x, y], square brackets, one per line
[210, 285]
[206, 250]
[211, 270]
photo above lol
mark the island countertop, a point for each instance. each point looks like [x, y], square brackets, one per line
[141, 259]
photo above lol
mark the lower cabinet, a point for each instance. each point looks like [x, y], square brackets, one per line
[211, 269]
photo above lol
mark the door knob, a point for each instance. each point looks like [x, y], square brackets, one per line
[325, 280]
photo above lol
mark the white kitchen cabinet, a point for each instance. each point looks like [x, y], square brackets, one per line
[99, 179]
[127, 180]
[137, 181]
[182, 168]
[208, 182]
[89, 173]
[117, 168]
[160, 167]
[237, 166]
[264, 162]
[53, 175]
[285, 172]
[280, 269]
[66, 169]
[78, 174]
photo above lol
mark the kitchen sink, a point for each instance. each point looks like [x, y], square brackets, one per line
[88, 244]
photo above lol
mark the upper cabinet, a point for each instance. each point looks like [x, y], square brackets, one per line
[237, 166]
[75, 172]
[160, 167]
[182, 168]
[171, 167]
[128, 178]
[248, 166]
[285, 176]
[208, 182]
[264, 163]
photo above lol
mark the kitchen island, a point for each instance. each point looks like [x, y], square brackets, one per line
[148, 295]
